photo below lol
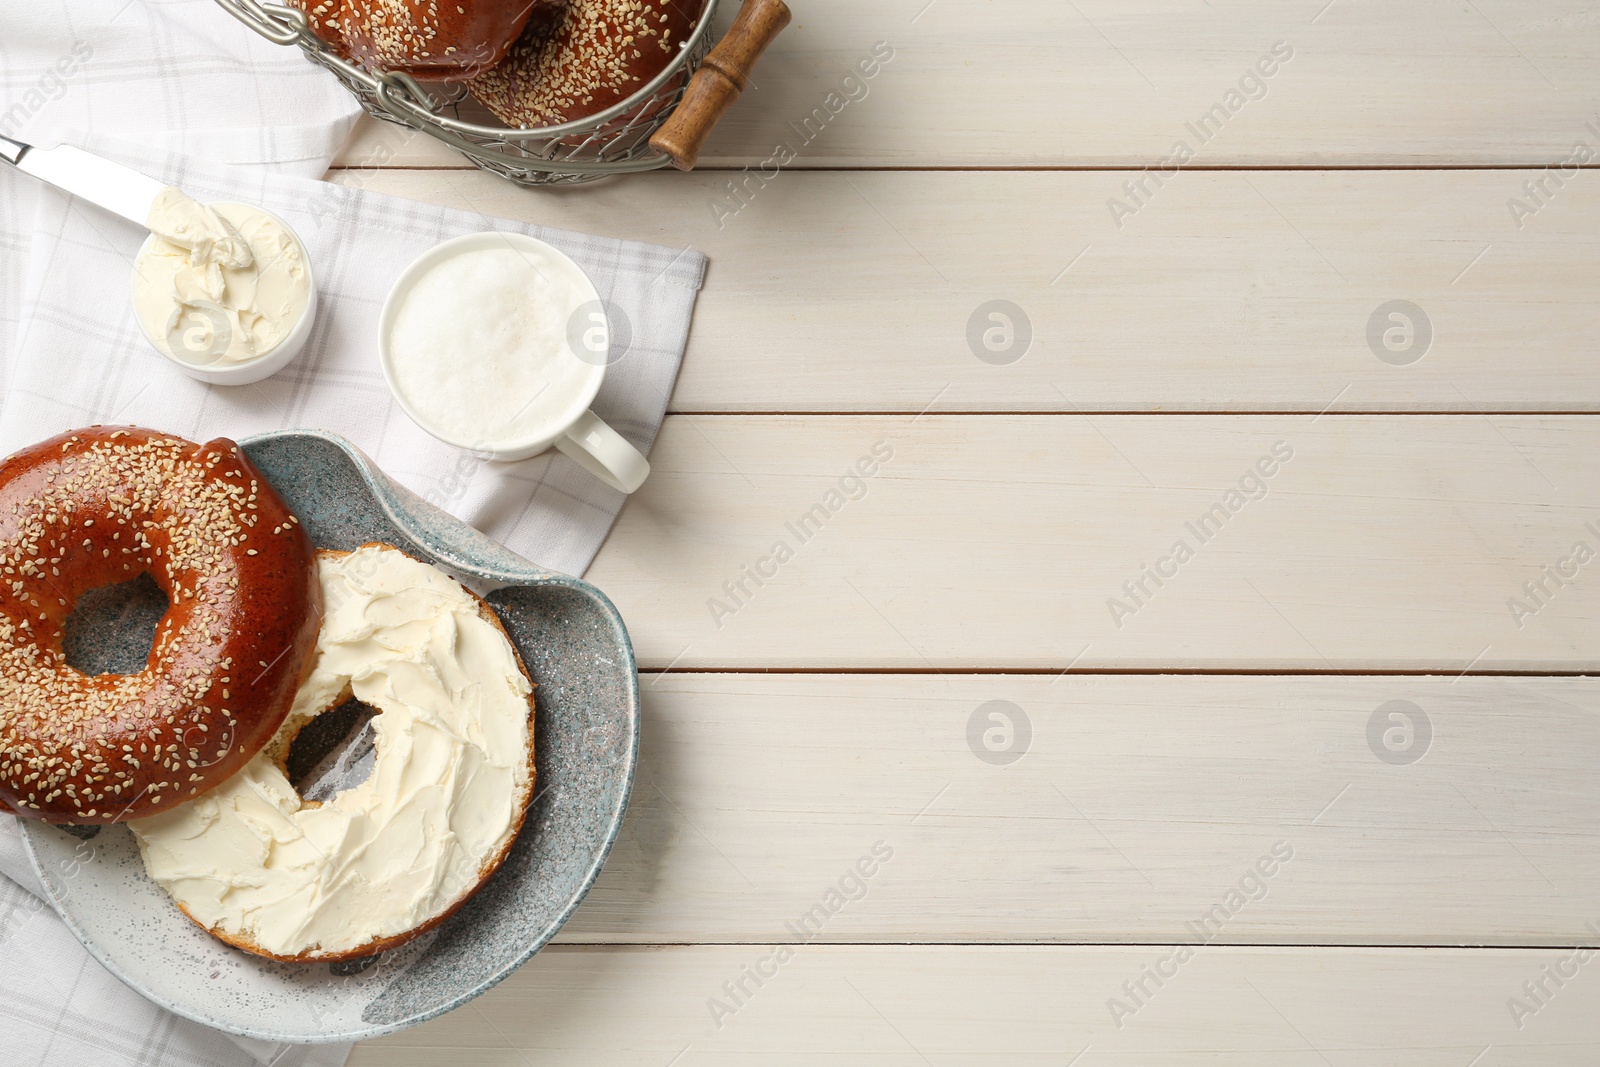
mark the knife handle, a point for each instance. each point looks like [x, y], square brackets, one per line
[12, 151]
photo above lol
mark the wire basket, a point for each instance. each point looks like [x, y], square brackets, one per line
[623, 139]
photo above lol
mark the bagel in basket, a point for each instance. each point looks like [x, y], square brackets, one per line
[385, 860]
[429, 39]
[583, 56]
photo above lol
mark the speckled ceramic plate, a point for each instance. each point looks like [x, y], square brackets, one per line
[586, 736]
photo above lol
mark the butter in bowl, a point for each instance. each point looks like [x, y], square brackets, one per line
[224, 291]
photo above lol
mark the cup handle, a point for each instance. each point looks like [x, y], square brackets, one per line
[603, 452]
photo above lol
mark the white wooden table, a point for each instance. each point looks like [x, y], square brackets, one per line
[1200, 830]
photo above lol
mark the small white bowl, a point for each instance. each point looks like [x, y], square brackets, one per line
[267, 363]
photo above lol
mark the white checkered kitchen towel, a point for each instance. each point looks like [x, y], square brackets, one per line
[179, 89]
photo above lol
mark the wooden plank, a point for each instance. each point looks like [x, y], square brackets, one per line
[1224, 292]
[1114, 83]
[1384, 543]
[910, 1007]
[1109, 809]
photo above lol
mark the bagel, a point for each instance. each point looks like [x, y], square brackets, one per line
[426, 39]
[580, 58]
[104, 505]
[383, 861]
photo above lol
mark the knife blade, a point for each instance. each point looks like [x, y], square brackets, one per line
[120, 190]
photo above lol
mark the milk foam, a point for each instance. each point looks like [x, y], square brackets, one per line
[479, 347]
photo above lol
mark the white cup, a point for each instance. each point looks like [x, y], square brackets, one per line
[259, 367]
[573, 429]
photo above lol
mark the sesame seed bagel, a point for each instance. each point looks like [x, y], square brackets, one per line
[104, 505]
[577, 60]
[428, 39]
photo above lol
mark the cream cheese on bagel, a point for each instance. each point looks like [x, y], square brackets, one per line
[265, 870]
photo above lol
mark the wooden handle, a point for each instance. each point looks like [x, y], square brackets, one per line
[719, 81]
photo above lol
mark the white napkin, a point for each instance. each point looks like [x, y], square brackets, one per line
[180, 89]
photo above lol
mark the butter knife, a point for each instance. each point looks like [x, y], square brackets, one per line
[120, 190]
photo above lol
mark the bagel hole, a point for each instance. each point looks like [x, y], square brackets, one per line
[333, 752]
[113, 628]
